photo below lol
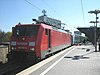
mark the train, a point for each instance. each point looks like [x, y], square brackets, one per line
[37, 41]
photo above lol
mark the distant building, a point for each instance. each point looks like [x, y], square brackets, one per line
[50, 21]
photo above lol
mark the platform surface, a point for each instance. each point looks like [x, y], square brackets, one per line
[81, 60]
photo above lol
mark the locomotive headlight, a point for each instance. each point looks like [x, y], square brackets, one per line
[13, 48]
[23, 39]
[32, 49]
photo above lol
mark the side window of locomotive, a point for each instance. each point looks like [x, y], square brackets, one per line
[46, 31]
[14, 31]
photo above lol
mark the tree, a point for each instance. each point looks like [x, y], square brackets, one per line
[5, 37]
[2, 35]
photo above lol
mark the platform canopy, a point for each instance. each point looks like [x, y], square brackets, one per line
[89, 32]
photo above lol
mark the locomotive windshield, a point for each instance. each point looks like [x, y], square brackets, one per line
[25, 30]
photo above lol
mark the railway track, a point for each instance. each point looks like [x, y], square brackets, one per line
[11, 68]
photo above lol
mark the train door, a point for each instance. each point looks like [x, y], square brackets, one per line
[48, 33]
[49, 38]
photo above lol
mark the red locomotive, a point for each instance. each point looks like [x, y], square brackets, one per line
[36, 41]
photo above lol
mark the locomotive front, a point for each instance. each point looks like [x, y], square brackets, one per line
[23, 42]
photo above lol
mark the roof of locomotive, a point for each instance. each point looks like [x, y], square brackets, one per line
[44, 26]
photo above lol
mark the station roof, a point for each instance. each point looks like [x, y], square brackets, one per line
[89, 32]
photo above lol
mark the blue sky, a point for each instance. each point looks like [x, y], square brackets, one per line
[68, 11]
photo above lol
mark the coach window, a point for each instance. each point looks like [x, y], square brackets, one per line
[46, 31]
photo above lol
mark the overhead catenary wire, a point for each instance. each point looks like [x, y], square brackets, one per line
[41, 9]
[33, 5]
[48, 5]
[52, 9]
[83, 11]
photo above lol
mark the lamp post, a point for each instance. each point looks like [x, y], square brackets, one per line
[95, 12]
[94, 22]
[94, 32]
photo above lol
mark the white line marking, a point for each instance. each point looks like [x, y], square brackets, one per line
[43, 73]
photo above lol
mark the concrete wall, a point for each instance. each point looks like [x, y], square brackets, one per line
[3, 53]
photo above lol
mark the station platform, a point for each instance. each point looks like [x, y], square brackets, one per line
[77, 60]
